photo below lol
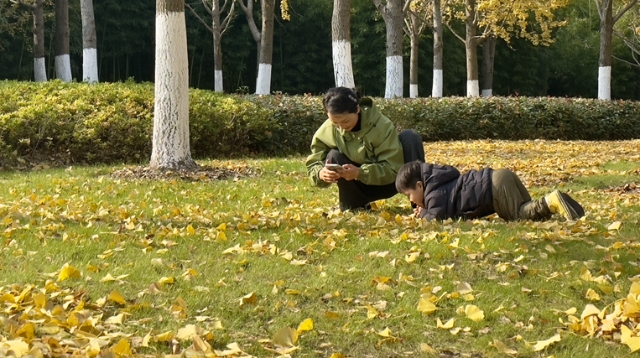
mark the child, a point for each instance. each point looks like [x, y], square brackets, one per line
[440, 192]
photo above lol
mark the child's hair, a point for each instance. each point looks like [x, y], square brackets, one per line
[408, 176]
[339, 100]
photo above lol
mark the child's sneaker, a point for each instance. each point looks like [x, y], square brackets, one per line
[561, 203]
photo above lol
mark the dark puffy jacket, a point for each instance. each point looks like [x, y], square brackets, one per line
[447, 194]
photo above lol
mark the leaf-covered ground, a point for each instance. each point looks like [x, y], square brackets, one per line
[93, 264]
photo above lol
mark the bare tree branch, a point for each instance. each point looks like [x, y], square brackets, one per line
[619, 15]
[193, 11]
[600, 9]
[406, 6]
[209, 9]
[381, 8]
[23, 4]
[248, 11]
[230, 15]
[637, 64]
[455, 33]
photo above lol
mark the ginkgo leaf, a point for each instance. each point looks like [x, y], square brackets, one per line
[425, 348]
[592, 295]
[464, 288]
[474, 313]
[626, 338]
[122, 348]
[67, 272]
[540, 345]
[447, 325]
[614, 226]
[18, 346]
[115, 296]
[589, 310]
[306, 325]
[248, 299]
[385, 333]
[337, 355]
[286, 337]
[164, 337]
[426, 306]
[503, 348]
[635, 288]
[233, 349]
[187, 332]
[118, 319]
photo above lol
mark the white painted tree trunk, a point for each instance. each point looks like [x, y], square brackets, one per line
[487, 92]
[604, 83]
[218, 81]
[263, 85]
[473, 88]
[438, 81]
[63, 68]
[40, 70]
[395, 77]
[90, 65]
[171, 115]
[413, 91]
[342, 64]
[89, 42]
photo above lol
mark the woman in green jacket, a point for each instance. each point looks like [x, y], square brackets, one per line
[366, 147]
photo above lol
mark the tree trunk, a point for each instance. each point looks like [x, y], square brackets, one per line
[414, 35]
[471, 47]
[604, 63]
[437, 89]
[62, 63]
[393, 18]
[171, 113]
[263, 84]
[341, 41]
[39, 68]
[488, 59]
[217, 45]
[248, 12]
[89, 43]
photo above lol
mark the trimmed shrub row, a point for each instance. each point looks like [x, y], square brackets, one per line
[113, 122]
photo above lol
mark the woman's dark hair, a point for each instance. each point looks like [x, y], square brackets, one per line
[408, 176]
[340, 100]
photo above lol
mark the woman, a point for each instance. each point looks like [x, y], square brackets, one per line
[366, 146]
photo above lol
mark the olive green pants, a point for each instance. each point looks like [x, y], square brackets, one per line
[512, 201]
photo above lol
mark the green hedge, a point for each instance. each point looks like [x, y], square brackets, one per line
[113, 122]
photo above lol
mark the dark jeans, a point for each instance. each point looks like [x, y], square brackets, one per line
[354, 194]
[512, 201]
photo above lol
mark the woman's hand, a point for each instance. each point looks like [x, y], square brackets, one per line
[328, 176]
[350, 172]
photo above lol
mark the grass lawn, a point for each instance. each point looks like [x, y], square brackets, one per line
[92, 263]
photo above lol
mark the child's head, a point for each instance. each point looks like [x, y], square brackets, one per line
[409, 182]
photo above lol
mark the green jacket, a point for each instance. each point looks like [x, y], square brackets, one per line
[375, 146]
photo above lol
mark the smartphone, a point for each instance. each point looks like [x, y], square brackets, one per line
[333, 167]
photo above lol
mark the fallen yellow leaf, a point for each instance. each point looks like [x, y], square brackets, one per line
[540, 345]
[306, 325]
[426, 306]
[285, 337]
[447, 325]
[503, 348]
[474, 313]
[67, 272]
[115, 296]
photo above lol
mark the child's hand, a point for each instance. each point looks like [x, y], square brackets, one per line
[417, 211]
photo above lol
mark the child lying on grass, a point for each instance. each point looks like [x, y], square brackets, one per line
[441, 192]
